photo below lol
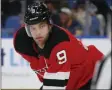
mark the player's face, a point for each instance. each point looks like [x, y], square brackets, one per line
[40, 32]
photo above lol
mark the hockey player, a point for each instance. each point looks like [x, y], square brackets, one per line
[57, 57]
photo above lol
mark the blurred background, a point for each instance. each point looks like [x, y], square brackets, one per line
[80, 17]
[88, 20]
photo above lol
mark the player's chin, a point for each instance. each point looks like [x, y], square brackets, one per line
[40, 42]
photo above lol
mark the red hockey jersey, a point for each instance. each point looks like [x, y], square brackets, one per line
[64, 63]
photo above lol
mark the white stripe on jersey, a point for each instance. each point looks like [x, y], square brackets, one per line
[58, 75]
[53, 87]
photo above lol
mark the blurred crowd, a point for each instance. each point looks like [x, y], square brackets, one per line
[80, 17]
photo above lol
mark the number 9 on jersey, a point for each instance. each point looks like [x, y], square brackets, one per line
[61, 57]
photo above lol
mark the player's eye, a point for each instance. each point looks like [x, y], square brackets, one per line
[42, 26]
[33, 28]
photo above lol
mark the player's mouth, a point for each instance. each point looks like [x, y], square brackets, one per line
[39, 38]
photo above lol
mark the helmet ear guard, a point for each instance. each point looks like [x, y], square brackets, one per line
[50, 21]
[27, 28]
